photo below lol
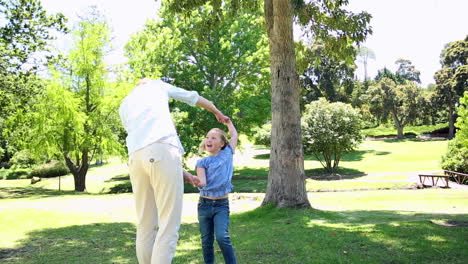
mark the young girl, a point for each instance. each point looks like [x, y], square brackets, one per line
[215, 174]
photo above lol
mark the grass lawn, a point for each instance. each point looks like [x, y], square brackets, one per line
[387, 163]
[38, 224]
[403, 226]
[391, 131]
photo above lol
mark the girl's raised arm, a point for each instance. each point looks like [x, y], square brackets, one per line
[233, 134]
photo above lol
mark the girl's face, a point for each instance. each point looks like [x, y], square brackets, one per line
[213, 142]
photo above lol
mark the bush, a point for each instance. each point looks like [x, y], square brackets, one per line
[263, 135]
[125, 187]
[22, 159]
[50, 169]
[5, 165]
[329, 131]
[20, 173]
[3, 173]
[456, 158]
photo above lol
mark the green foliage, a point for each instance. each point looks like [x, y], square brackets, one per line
[225, 61]
[336, 28]
[262, 135]
[452, 78]
[3, 173]
[22, 159]
[456, 158]
[25, 34]
[462, 121]
[17, 173]
[329, 131]
[382, 131]
[50, 169]
[76, 117]
[322, 75]
[406, 71]
[400, 102]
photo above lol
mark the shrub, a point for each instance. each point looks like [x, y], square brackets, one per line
[456, 158]
[329, 131]
[5, 165]
[262, 135]
[20, 173]
[3, 173]
[22, 159]
[125, 187]
[50, 169]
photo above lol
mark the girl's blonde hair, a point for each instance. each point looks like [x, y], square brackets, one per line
[223, 135]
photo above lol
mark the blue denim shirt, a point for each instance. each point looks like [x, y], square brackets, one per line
[218, 170]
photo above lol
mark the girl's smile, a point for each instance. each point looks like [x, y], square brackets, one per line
[213, 142]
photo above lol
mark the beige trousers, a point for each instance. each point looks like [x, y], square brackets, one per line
[157, 182]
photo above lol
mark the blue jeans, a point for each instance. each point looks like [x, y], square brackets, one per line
[213, 216]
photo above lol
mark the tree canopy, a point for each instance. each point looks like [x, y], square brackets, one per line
[76, 118]
[452, 78]
[25, 34]
[226, 62]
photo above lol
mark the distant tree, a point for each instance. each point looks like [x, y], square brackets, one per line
[400, 102]
[452, 79]
[330, 130]
[386, 73]
[324, 76]
[407, 71]
[76, 118]
[365, 54]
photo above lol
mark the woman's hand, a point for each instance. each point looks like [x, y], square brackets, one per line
[193, 180]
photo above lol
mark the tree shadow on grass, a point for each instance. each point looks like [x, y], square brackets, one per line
[356, 155]
[32, 192]
[396, 140]
[341, 174]
[94, 243]
[349, 236]
[120, 177]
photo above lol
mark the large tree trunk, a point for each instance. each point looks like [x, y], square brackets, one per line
[286, 180]
[78, 171]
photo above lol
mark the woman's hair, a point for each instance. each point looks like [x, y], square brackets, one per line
[223, 136]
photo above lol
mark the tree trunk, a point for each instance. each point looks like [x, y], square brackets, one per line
[399, 126]
[451, 132]
[286, 179]
[79, 171]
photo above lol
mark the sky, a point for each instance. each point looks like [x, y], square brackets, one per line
[410, 29]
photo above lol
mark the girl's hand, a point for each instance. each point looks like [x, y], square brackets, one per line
[193, 180]
[222, 118]
[196, 181]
